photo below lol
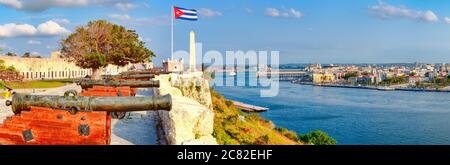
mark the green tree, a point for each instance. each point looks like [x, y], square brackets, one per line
[100, 43]
[317, 138]
[351, 74]
[26, 55]
[11, 54]
[395, 80]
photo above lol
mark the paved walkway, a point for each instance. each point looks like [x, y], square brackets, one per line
[137, 128]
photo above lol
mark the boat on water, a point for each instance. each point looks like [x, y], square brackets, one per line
[233, 73]
[249, 108]
[385, 88]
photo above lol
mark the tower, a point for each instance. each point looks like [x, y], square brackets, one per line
[192, 52]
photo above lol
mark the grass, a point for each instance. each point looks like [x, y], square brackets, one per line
[233, 127]
[38, 84]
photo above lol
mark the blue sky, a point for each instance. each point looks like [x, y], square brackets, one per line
[304, 31]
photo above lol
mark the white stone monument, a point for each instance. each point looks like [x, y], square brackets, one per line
[192, 52]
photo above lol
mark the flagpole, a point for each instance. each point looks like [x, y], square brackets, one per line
[171, 10]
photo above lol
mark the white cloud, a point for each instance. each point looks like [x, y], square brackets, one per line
[273, 12]
[125, 6]
[61, 21]
[447, 20]
[15, 30]
[42, 5]
[121, 17]
[11, 3]
[34, 42]
[163, 20]
[384, 10]
[209, 12]
[295, 13]
[35, 53]
[49, 28]
[429, 16]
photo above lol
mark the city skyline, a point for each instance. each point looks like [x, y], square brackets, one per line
[304, 31]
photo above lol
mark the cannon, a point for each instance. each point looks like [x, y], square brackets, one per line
[129, 76]
[74, 103]
[87, 83]
[157, 72]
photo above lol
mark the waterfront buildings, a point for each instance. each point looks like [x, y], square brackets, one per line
[404, 74]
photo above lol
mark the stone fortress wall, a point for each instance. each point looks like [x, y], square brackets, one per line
[191, 120]
[52, 68]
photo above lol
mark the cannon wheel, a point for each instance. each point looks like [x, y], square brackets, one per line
[118, 115]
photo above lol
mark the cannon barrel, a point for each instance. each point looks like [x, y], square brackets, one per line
[136, 76]
[73, 104]
[140, 72]
[87, 83]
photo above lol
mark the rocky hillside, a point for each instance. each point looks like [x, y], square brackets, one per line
[231, 126]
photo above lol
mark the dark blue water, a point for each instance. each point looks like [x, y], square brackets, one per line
[355, 116]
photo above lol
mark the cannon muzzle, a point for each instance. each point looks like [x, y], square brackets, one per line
[87, 83]
[75, 103]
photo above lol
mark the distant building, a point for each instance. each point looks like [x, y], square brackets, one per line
[370, 79]
[390, 75]
[353, 80]
[413, 79]
[313, 67]
[380, 76]
[431, 75]
[319, 78]
[173, 66]
[54, 67]
[443, 67]
[339, 74]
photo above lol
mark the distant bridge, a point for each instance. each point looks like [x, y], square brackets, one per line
[283, 75]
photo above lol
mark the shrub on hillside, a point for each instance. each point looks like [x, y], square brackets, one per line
[262, 140]
[219, 105]
[289, 134]
[229, 103]
[317, 138]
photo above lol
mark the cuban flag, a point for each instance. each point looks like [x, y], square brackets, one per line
[185, 14]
